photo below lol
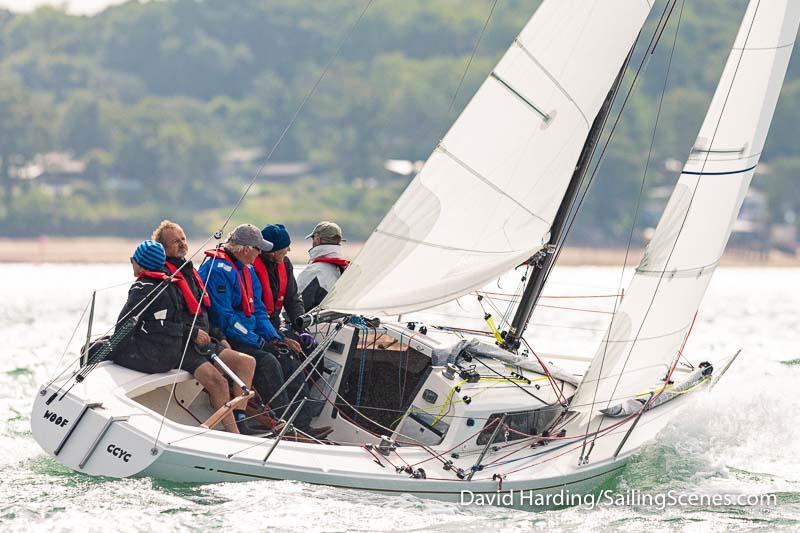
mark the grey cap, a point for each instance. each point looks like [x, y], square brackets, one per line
[249, 235]
[328, 231]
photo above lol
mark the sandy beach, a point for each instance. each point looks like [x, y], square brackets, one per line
[118, 250]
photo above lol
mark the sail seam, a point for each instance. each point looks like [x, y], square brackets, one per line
[485, 180]
[681, 271]
[652, 337]
[552, 78]
[692, 157]
[767, 47]
[445, 247]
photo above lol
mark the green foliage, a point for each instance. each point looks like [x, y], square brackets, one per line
[150, 96]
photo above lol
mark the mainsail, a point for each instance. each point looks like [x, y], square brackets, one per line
[487, 196]
[655, 317]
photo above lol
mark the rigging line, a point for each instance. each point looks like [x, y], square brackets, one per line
[186, 346]
[664, 27]
[64, 353]
[516, 297]
[165, 284]
[358, 412]
[83, 372]
[600, 158]
[638, 201]
[576, 209]
[112, 286]
[420, 445]
[559, 394]
[297, 112]
[546, 297]
[510, 380]
[691, 200]
[91, 366]
[471, 57]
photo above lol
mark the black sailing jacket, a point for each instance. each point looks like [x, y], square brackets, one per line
[156, 344]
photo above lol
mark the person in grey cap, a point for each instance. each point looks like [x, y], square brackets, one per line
[238, 310]
[326, 263]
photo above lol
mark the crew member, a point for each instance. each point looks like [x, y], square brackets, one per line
[233, 285]
[326, 264]
[157, 342]
[276, 275]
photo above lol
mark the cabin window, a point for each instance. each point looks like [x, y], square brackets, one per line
[519, 425]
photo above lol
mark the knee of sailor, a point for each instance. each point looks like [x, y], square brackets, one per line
[240, 359]
[247, 361]
[209, 377]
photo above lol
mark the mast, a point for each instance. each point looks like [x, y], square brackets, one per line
[542, 261]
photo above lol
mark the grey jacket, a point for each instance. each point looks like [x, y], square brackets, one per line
[318, 278]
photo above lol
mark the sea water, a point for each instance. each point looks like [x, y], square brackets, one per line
[743, 438]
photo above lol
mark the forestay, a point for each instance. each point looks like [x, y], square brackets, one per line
[486, 198]
[656, 314]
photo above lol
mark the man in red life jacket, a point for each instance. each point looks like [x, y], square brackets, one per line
[276, 274]
[234, 286]
[157, 343]
[326, 264]
[205, 340]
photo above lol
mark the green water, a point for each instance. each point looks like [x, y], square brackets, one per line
[741, 439]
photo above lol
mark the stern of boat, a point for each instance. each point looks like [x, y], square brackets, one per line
[84, 436]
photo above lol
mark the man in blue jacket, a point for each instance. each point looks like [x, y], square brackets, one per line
[232, 284]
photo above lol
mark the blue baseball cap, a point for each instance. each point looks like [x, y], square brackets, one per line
[277, 235]
[150, 255]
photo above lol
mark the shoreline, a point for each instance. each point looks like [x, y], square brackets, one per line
[88, 250]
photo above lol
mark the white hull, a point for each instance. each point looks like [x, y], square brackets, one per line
[118, 439]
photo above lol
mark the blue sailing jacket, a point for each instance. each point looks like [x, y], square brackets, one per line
[226, 311]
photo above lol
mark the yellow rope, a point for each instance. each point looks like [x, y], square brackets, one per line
[668, 386]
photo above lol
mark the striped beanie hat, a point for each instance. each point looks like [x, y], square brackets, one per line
[150, 255]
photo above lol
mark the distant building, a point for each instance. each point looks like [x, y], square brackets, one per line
[56, 172]
[244, 163]
[750, 230]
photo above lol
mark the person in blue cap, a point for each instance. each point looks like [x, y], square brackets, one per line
[156, 344]
[276, 274]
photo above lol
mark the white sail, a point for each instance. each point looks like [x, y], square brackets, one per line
[486, 198]
[658, 309]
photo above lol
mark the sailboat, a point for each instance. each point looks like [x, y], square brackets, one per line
[432, 411]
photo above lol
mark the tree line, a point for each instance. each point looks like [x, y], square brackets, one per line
[152, 99]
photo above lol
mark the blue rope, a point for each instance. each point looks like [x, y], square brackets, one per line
[361, 377]
[361, 324]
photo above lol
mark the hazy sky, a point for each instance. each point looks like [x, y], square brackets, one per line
[73, 6]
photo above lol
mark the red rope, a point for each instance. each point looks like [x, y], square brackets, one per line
[439, 455]
[561, 399]
[668, 377]
[597, 433]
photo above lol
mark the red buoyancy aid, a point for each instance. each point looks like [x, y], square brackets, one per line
[341, 263]
[245, 285]
[179, 280]
[272, 304]
[188, 295]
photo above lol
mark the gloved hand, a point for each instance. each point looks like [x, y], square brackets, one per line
[307, 340]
